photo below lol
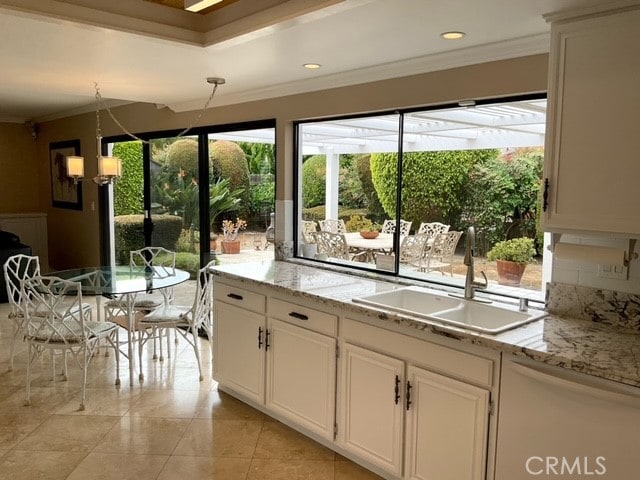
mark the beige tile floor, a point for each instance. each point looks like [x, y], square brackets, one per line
[171, 426]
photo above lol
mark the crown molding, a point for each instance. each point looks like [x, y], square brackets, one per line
[520, 47]
[602, 8]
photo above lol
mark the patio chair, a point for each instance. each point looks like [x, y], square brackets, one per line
[185, 320]
[333, 244]
[333, 226]
[389, 226]
[163, 264]
[440, 253]
[308, 229]
[413, 248]
[433, 228]
[61, 324]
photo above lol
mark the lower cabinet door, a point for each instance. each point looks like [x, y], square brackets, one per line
[372, 407]
[447, 427]
[301, 376]
[239, 350]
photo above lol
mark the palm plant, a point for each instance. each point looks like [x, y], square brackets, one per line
[222, 199]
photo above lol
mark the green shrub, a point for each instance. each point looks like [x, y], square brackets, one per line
[189, 262]
[314, 171]
[433, 183]
[363, 170]
[182, 155]
[519, 250]
[128, 190]
[129, 234]
[358, 223]
[227, 160]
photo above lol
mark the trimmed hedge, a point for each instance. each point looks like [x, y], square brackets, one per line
[129, 234]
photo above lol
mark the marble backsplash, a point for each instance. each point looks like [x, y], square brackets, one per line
[603, 306]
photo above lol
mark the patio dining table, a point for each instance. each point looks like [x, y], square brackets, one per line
[383, 243]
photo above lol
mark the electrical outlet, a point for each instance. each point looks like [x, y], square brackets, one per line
[617, 272]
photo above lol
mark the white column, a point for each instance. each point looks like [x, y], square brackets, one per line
[331, 194]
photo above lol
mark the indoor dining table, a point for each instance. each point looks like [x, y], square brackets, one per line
[123, 282]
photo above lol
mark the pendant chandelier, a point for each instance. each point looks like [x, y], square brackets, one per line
[110, 168]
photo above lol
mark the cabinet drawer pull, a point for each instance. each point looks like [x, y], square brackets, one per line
[409, 387]
[235, 296]
[299, 316]
[397, 390]
[259, 338]
[267, 334]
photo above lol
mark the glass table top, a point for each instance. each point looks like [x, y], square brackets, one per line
[123, 279]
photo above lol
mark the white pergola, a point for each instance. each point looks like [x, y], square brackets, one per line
[500, 125]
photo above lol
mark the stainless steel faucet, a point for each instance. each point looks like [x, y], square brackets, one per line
[470, 284]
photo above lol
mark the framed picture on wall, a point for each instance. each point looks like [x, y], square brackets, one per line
[64, 193]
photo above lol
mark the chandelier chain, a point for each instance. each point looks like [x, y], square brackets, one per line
[101, 103]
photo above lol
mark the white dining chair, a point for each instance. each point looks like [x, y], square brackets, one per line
[440, 253]
[333, 226]
[433, 228]
[333, 244]
[308, 230]
[389, 226]
[61, 324]
[413, 248]
[183, 319]
[161, 263]
[16, 270]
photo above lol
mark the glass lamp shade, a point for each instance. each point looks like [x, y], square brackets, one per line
[109, 167]
[75, 167]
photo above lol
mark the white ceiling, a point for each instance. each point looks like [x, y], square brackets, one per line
[48, 64]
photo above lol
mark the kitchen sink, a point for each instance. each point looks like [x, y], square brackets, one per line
[410, 300]
[439, 307]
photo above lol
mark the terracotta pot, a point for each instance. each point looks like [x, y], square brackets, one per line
[232, 246]
[213, 245]
[510, 273]
[369, 234]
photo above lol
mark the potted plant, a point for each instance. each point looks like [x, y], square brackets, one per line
[222, 200]
[512, 257]
[230, 230]
[365, 226]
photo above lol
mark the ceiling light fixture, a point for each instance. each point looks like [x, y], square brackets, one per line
[453, 35]
[311, 66]
[110, 168]
[197, 5]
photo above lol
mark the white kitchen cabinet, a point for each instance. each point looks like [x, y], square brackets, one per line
[372, 406]
[301, 376]
[414, 409]
[447, 426]
[239, 361]
[592, 150]
[284, 360]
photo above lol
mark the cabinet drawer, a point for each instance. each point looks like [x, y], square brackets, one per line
[240, 297]
[303, 316]
[462, 365]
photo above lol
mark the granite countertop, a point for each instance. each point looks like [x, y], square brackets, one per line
[582, 345]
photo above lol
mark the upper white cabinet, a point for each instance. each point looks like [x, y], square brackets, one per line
[592, 151]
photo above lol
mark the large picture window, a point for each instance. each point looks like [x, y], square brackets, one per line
[398, 193]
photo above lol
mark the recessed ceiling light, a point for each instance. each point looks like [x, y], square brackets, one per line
[311, 66]
[452, 35]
